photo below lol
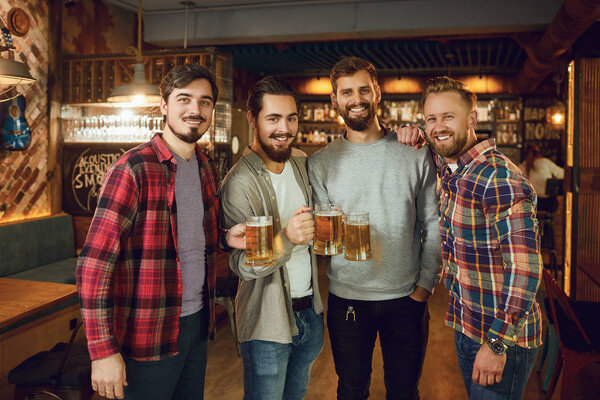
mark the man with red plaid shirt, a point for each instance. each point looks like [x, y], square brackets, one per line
[146, 275]
[490, 246]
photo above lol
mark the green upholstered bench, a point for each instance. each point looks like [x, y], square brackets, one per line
[42, 249]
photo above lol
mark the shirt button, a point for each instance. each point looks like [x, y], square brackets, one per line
[272, 197]
[444, 242]
[276, 219]
[267, 178]
[446, 194]
[515, 337]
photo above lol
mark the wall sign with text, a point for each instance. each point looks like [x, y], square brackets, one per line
[84, 167]
[540, 131]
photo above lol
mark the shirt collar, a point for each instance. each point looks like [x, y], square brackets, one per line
[254, 159]
[164, 153]
[473, 153]
[476, 151]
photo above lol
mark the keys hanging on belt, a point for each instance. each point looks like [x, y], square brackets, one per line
[350, 311]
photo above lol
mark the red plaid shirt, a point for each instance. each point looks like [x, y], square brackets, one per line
[128, 272]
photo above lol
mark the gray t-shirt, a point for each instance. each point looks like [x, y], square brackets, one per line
[396, 185]
[191, 240]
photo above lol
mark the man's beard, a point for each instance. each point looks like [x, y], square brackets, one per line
[358, 123]
[194, 133]
[455, 150]
[273, 153]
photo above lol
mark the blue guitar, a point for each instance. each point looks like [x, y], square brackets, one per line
[15, 134]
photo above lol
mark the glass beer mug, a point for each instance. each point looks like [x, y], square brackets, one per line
[259, 241]
[357, 237]
[328, 230]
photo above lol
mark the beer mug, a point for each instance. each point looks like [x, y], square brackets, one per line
[357, 237]
[259, 241]
[328, 230]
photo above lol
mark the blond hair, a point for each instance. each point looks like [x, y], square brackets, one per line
[443, 84]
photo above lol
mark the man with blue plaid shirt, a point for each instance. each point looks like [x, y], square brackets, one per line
[490, 246]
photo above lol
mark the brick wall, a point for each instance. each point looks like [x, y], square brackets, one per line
[23, 181]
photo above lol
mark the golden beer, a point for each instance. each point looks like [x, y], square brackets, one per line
[358, 237]
[259, 241]
[328, 230]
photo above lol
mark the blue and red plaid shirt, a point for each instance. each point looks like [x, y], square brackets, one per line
[128, 272]
[490, 248]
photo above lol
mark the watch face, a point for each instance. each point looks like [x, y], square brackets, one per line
[497, 346]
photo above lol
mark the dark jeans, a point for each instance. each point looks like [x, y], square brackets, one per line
[403, 327]
[178, 377]
[275, 371]
[519, 364]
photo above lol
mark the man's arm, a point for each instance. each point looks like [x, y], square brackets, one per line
[427, 216]
[115, 213]
[508, 206]
[236, 206]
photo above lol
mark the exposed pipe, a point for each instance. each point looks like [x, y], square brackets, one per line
[572, 19]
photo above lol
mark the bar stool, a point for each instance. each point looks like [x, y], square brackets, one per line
[63, 373]
[547, 207]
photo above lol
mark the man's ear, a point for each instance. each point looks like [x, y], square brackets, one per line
[377, 94]
[163, 106]
[251, 120]
[473, 119]
[333, 100]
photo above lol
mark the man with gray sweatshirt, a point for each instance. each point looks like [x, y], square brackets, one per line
[368, 170]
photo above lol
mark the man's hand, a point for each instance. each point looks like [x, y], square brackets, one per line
[108, 376]
[411, 136]
[488, 366]
[236, 237]
[301, 226]
[420, 294]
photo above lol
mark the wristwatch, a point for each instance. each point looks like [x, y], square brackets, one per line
[497, 346]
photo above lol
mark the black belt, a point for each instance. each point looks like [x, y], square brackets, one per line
[302, 303]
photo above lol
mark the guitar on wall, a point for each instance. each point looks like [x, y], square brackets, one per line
[15, 133]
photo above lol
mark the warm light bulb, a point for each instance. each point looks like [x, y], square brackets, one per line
[138, 99]
[558, 118]
[341, 120]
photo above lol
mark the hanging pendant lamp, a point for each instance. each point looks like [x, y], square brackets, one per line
[15, 79]
[139, 92]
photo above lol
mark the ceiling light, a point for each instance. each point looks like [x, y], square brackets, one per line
[139, 92]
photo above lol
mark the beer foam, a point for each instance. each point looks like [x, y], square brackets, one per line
[328, 213]
[359, 223]
[259, 224]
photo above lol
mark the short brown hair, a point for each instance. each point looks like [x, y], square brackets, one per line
[348, 66]
[443, 84]
[274, 85]
[183, 75]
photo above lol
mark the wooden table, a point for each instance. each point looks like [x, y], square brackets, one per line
[20, 298]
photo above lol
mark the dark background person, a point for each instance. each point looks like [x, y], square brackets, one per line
[538, 169]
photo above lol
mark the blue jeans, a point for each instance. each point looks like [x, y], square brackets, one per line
[177, 377]
[275, 371]
[519, 364]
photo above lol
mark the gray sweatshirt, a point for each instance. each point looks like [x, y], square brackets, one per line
[397, 186]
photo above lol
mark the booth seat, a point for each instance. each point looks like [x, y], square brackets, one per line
[42, 249]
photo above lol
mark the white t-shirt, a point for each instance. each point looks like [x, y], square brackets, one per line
[543, 169]
[289, 198]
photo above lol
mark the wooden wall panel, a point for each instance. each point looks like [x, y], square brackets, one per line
[588, 196]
